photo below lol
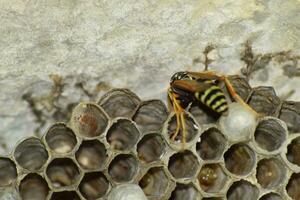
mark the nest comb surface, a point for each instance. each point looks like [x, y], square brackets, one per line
[122, 139]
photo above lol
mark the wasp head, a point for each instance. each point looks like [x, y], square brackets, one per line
[180, 76]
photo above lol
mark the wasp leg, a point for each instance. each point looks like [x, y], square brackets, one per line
[179, 112]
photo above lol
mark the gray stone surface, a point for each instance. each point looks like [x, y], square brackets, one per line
[87, 47]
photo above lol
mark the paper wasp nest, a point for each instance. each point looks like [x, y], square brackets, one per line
[123, 140]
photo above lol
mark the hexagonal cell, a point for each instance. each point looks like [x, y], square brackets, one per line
[186, 192]
[212, 178]
[33, 187]
[264, 100]
[240, 85]
[151, 116]
[191, 129]
[122, 135]
[88, 120]
[60, 139]
[123, 168]
[293, 150]
[240, 159]
[271, 196]
[94, 185]
[211, 145]
[62, 172]
[125, 100]
[290, 114]
[242, 190]
[65, 195]
[292, 187]
[8, 172]
[91, 155]
[270, 134]
[154, 183]
[31, 154]
[202, 114]
[151, 148]
[270, 173]
[183, 165]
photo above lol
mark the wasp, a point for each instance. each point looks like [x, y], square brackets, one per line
[188, 87]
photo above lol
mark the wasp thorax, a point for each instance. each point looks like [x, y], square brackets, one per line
[180, 76]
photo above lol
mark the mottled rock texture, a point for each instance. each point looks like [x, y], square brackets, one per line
[56, 53]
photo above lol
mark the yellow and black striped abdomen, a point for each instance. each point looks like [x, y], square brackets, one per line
[214, 98]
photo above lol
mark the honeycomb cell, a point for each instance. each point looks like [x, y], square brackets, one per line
[242, 190]
[122, 135]
[151, 148]
[186, 192]
[151, 116]
[91, 155]
[271, 196]
[290, 114]
[94, 185]
[292, 187]
[31, 154]
[33, 187]
[62, 172]
[240, 159]
[240, 85]
[293, 150]
[119, 103]
[8, 172]
[154, 183]
[270, 134]
[127, 191]
[123, 168]
[60, 139]
[211, 145]
[264, 100]
[270, 173]
[183, 165]
[212, 178]
[191, 129]
[88, 120]
[212, 198]
[65, 195]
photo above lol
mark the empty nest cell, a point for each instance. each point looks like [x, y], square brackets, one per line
[290, 114]
[183, 165]
[62, 172]
[212, 178]
[123, 168]
[271, 196]
[65, 195]
[31, 154]
[186, 192]
[270, 134]
[91, 155]
[151, 116]
[33, 187]
[191, 129]
[240, 159]
[293, 151]
[88, 120]
[60, 139]
[292, 187]
[119, 103]
[94, 185]
[8, 172]
[122, 135]
[211, 145]
[151, 148]
[242, 190]
[270, 173]
[155, 182]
